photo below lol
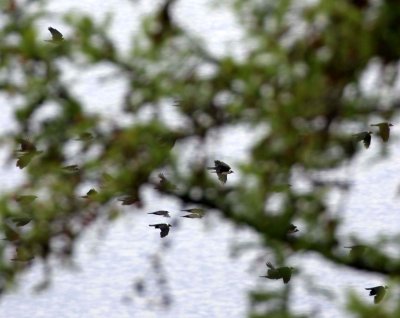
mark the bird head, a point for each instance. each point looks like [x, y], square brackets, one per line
[390, 125]
[230, 171]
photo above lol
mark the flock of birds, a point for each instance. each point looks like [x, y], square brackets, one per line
[28, 151]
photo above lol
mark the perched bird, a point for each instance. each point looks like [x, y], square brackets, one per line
[164, 228]
[222, 170]
[292, 229]
[378, 291]
[277, 273]
[161, 212]
[56, 36]
[26, 153]
[194, 213]
[356, 250]
[365, 137]
[384, 130]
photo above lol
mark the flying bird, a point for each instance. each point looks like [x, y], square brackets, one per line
[164, 228]
[222, 170]
[365, 137]
[384, 130]
[56, 36]
[26, 153]
[292, 229]
[129, 199]
[277, 273]
[21, 220]
[378, 291]
[161, 212]
[194, 213]
[164, 184]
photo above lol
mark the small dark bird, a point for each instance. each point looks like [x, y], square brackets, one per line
[91, 194]
[378, 291]
[277, 273]
[384, 130]
[292, 229]
[164, 184]
[129, 199]
[161, 212]
[164, 227]
[26, 153]
[21, 220]
[365, 137]
[71, 169]
[222, 170]
[194, 213]
[356, 251]
[56, 36]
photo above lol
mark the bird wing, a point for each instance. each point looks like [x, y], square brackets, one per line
[379, 295]
[367, 140]
[24, 159]
[222, 165]
[164, 230]
[26, 145]
[56, 35]
[269, 264]
[222, 177]
[286, 274]
[384, 131]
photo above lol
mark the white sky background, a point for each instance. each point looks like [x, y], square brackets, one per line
[203, 280]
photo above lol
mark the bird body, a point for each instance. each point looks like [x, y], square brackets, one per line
[56, 36]
[280, 272]
[384, 130]
[364, 136]
[164, 228]
[378, 291]
[222, 170]
[161, 212]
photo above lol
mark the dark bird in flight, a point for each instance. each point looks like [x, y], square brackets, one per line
[21, 220]
[71, 169]
[365, 137]
[91, 194]
[129, 199]
[164, 184]
[26, 153]
[164, 228]
[56, 36]
[161, 212]
[378, 291]
[292, 229]
[194, 213]
[384, 130]
[356, 250]
[222, 170]
[277, 273]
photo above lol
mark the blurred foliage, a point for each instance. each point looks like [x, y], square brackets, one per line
[299, 82]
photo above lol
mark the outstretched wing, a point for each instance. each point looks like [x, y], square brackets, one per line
[222, 165]
[56, 35]
[367, 141]
[164, 231]
[379, 295]
[384, 131]
[223, 177]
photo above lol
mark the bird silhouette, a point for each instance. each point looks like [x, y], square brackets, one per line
[292, 229]
[161, 212]
[222, 170]
[365, 137]
[164, 184]
[384, 130]
[56, 36]
[26, 152]
[164, 228]
[129, 199]
[194, 213]
[91, 194]
[379, 293]
[71, 169]
[21, 220]
[280, 272]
